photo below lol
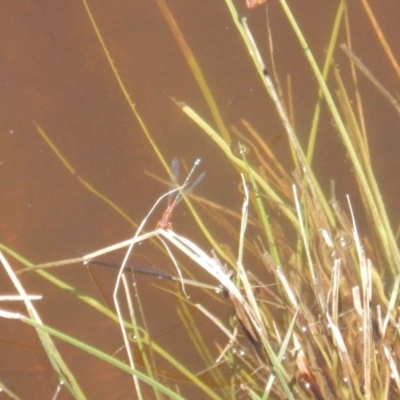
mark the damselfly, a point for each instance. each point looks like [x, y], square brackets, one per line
[164, 222]
[254, 3]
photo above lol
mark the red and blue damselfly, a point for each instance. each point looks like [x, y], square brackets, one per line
[254, 3]
[186, 188]
[165, 222]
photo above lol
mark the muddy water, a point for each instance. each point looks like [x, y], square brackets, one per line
[54, 72]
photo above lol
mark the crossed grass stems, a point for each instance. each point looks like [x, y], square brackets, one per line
[337, 335]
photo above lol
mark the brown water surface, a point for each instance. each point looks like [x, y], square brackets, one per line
[54, 72]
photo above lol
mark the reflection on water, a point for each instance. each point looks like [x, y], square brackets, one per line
[54, 72]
